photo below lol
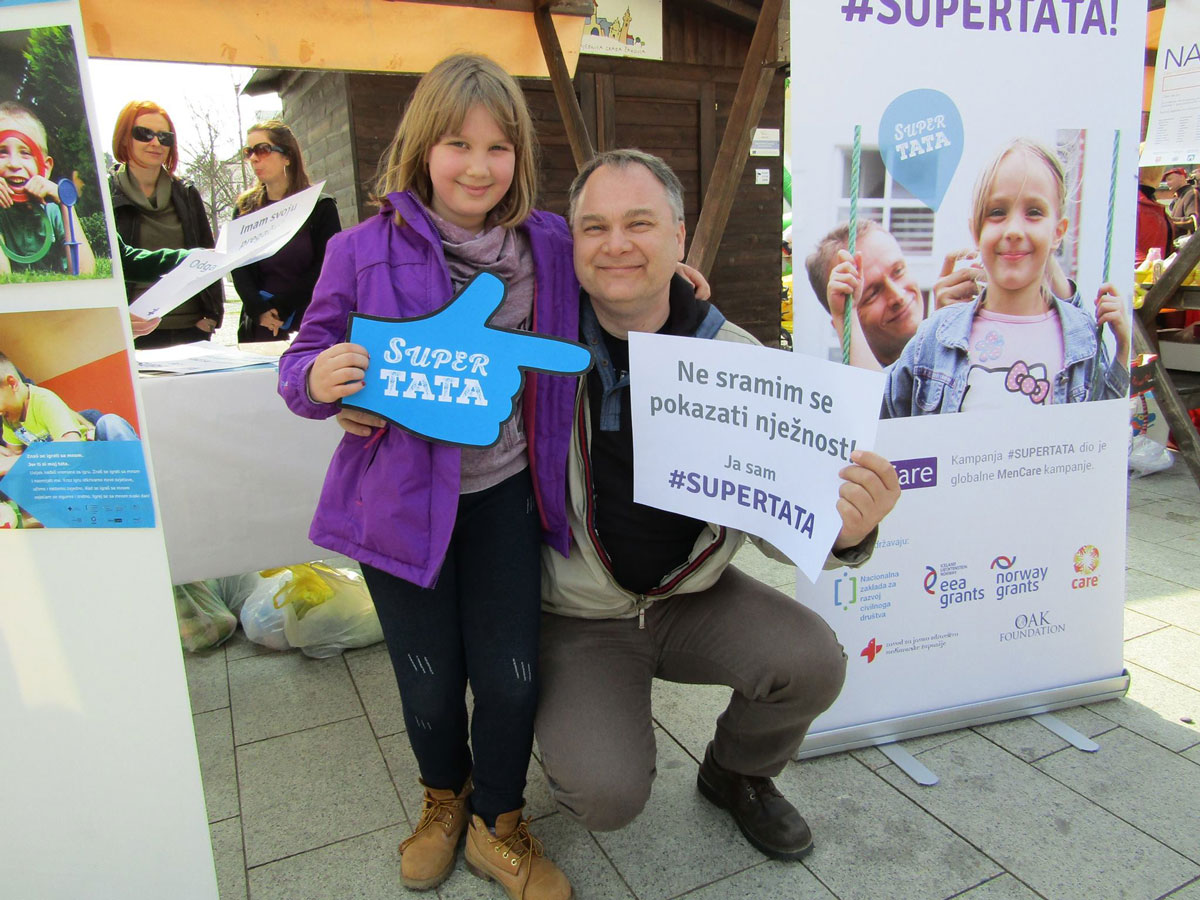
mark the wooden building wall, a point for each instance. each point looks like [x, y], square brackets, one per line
[676, 108]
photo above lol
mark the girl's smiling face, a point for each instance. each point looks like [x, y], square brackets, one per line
[1021, 225]
[471, 170]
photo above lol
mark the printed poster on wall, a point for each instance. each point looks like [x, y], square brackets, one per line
[986, 157]
[71, 453]
[630, 28]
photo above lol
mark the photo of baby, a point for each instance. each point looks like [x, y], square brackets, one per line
[51, 212]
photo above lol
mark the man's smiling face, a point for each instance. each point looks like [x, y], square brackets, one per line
[627, 239]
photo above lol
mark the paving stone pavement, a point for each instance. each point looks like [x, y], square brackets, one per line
[310, 782]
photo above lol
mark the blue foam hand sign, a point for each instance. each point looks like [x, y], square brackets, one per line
[449, 376]
[921, 141]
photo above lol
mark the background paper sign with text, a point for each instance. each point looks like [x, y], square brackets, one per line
[248, 239]
[449, 376]
[1173, 132]
[748, 437]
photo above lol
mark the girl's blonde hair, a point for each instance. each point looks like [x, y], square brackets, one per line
[438, 106]
[281, 136]
[987, 179]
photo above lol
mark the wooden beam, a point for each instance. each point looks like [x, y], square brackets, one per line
[564, 91]
[753, 87]
[1174, 410]
[582, 8]
[1164, 288]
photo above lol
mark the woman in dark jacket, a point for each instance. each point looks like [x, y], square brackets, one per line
[276, 291]
[157, 211]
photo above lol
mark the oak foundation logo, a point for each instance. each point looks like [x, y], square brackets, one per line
[872, 650]
[1085, 564]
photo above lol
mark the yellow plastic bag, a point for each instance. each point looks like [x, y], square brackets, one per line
[325, 610]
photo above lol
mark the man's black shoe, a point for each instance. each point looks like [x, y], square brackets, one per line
[764, 815]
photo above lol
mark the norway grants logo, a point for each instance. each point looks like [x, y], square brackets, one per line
[1010, 580]
[871, 651]
[1085, 563]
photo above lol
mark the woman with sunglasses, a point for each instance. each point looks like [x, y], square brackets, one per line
[276, 292]
[155, 210]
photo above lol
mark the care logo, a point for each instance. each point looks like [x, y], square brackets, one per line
[872, 650]
[1085, 564]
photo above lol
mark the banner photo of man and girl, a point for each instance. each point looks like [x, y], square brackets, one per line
[968, 221]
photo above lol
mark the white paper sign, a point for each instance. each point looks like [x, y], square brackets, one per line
[246, 240]
[1173, 133]
[748, 437]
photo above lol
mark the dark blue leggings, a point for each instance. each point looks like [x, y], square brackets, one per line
[480, 623]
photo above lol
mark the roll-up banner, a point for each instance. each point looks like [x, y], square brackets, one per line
[987, 154]
[101, 790]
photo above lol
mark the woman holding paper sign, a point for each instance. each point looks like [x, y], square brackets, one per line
[155, 210]
[276, 292]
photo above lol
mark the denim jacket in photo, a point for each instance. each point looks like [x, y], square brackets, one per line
[930, 376]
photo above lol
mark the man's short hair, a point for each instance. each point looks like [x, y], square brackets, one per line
[8, 367]
[621, 159]
[820, 262]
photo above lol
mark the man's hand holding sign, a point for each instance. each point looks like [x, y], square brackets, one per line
[448, 377]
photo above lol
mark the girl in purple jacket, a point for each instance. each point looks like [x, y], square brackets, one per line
[448, 537]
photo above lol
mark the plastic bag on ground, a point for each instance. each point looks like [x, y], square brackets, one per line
[262, 619]
[1147, 456]
[316, 608]
[204, 620]
[234, 589]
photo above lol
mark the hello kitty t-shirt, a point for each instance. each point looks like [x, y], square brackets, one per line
[1013, 360]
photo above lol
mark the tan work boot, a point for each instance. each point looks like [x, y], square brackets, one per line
[427, 855]
[513, 858]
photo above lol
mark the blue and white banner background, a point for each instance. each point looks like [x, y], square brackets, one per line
[1001, 571]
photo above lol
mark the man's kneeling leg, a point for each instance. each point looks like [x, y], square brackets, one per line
[594, 731]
